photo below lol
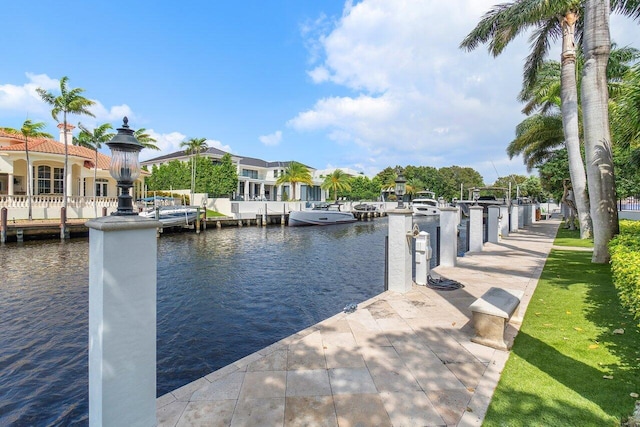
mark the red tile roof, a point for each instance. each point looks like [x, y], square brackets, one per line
[49, 146]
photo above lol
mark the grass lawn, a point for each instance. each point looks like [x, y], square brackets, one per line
[567, 237]
[211, 214]
[567, 366]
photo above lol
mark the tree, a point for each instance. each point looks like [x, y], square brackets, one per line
[551, 20]
[336, 181]
[172, 175]
[597, 138]
[145, 139]
[29, 129]
[295, 173]
[194, 146]
[93, 141]
[225, 177]
[537, 138]
[70, 101]
[363, 188]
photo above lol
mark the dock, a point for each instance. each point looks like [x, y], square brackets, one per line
[397, 360]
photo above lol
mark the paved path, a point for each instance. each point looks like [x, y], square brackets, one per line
[398, 360]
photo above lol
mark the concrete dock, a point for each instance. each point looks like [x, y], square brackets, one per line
[398, 360]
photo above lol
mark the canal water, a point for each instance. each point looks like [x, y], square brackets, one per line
[222, 295]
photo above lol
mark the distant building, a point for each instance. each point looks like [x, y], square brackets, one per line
[257, 178]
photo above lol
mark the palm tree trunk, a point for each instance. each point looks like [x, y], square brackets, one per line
[29, 178]
[595, 97]
[569, 108]
[95, 176]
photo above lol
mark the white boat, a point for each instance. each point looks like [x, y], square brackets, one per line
[323, 214]
[425, 204]
[172, 216]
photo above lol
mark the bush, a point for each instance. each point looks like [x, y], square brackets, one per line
[625, 265]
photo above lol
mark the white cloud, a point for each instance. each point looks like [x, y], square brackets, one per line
[24, 99]
[170, 143]
[272, 139]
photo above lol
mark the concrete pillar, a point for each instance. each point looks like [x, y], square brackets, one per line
[448, 236]
[423, 257]
[122, 321]
[520, 216]
[476, 230]
[504, 220]
[492, 224]
[399, 268]
[533, 214]
[10, 189]
[526, 216]
[515, 214]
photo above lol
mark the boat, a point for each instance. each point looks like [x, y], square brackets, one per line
[365, 207]
[321, 214]
[491, 196]
[172, 216]
[425, 204]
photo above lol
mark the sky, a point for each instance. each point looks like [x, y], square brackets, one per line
[355, 84]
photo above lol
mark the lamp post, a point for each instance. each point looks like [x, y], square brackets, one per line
[401, 185]
[476, 195]
[125, 166]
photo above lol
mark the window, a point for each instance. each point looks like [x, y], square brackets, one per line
[250, 174]
[101, 187]
[45, 181]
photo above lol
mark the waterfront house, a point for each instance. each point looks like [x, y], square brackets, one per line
[47, 173]
[256, 178]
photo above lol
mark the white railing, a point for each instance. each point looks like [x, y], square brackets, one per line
[51, 201]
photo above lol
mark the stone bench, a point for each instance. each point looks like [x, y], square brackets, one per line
[491, 313]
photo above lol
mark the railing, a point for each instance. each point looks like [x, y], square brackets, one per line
[629, 204]
[50, 201]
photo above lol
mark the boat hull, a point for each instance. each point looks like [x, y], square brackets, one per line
[319, 217]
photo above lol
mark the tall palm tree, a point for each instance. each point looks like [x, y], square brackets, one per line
[337, 180]
[29, 129]
[93, 141]
[550, 20]
[295, 173]
[194, 146]
[70, 101]
[597, 135]
[625, 113]
[145, 139]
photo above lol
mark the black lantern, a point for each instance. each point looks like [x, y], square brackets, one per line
[401, 185]
[476, 195]
[125, 166]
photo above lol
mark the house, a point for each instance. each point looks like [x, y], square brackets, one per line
[256, 178]
[47, 173]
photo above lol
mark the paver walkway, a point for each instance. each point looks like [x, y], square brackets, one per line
[398, 360]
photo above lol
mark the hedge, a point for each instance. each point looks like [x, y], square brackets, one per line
[625, 265]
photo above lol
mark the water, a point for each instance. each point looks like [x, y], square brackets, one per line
[222, 295]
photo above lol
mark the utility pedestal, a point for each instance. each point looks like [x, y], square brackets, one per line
[493, 224]
[476, 229]
[399, 269]
[504, 220]
[448, 236]
[122, 321]
[423, 257]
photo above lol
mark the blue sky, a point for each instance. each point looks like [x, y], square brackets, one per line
[364, 85]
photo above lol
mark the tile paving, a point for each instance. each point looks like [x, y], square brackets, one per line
[398, 360]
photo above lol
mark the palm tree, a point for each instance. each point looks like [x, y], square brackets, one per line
[537, 139]
[93, 140]
[293, 174]
[336, 181]
[70, 101]
[145, 139]
[29, 129]
[194, 146]
[551, 20]
[625, 112]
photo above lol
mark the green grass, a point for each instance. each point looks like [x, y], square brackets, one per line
[211, 214]
[554, 375]
[566, 237]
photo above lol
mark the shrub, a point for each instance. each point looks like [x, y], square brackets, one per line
[625, 265]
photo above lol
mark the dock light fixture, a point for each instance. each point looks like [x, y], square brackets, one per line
[125, 166]
[476, 195]
[401, 185]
